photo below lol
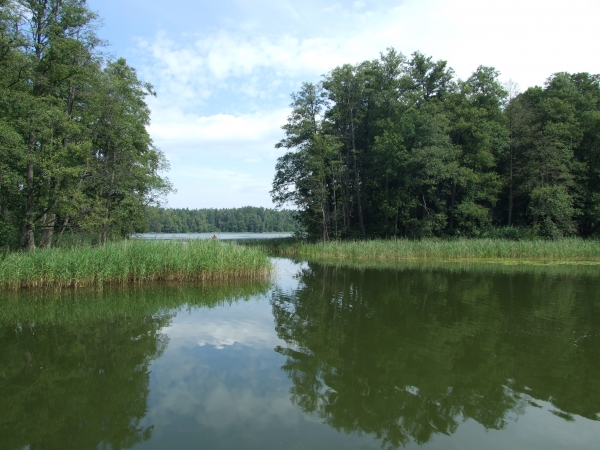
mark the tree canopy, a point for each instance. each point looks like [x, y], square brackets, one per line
[401, 147]
[74, 149]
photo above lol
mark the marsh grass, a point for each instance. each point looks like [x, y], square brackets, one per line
[569, 251]
[133, 261]
[583, 270]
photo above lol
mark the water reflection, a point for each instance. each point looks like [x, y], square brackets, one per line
[60, 379]
[414, 352]
[450, 356]
[75, 366]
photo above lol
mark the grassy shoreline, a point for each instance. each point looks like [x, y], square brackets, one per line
[569, 251]
[133, 261]
[138, 261]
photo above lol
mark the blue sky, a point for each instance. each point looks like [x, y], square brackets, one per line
[224, 71]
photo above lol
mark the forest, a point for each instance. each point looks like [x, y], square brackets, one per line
[75, 154]
[248, 219]
[393, 147]
[400, 147]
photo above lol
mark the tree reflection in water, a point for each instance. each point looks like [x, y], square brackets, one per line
[407, 354]
[76, 387]
[74, 371]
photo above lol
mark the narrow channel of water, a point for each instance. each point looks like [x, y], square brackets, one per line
[221, 236]
[439, 356]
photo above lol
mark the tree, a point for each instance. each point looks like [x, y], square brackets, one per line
[306, 175]
[420, 153]
[57, 99]
[479, 133]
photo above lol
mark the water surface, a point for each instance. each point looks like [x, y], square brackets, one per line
[221, 236]
[323, 356]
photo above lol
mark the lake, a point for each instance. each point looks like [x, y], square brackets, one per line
[221, 236]
[323, 356]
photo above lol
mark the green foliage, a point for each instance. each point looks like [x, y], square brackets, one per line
[74, 150]
[414, 152]
[248, 219]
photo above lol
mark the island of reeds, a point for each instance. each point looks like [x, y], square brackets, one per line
[565, 251]
[132, 262]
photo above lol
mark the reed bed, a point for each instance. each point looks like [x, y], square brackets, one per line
[570, 250]
[474, 267]
[133, 261]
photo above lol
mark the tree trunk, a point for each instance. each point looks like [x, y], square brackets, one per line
[344, 183]
[357, 179]
[510, 187]
[64, 225]
[335, 216]
[452, 203]
[48, 221]
[324, 211]
[358, 198]
[104, 236]
[27, 236]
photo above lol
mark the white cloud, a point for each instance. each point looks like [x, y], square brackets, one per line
[175, 128]
[530, 38]
[222, 95]
[204, 186]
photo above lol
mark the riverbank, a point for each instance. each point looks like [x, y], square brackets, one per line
[132, 261]
[494, 250]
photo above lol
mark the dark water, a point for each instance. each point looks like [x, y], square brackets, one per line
[324, 357]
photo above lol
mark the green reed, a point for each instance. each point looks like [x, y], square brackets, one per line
[472, 267]
[558, 251]
[133, 261]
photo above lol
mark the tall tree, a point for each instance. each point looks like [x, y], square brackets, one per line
[56, 95]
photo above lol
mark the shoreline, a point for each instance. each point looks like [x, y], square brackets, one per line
[568, 251]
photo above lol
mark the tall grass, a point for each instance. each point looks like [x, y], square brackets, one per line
[470, 267]
[563, 250]
[132, 262]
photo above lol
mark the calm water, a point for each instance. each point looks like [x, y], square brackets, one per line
[322, 357]
[221, 236]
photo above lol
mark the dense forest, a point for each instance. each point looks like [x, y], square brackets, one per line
[400, 147]
[237, 220]
[74, 150]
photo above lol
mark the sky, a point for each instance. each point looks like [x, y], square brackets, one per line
[224, 71]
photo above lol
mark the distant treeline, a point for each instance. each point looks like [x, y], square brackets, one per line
[401, 147]
[237, 220]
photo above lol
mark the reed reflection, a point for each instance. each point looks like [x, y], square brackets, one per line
[74, 367]
[409, 353]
